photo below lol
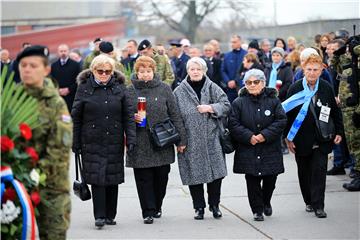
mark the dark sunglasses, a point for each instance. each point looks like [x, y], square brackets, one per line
[101, 72]
[255, 82]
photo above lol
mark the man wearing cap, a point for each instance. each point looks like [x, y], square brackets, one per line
[179, 61]
[163, 67]
[65, 71]
[230, 65]
[91, 56]
[185, 45]
[108, 49]
[52, 140]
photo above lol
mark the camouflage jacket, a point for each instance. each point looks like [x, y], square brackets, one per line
[89, 58]
[53, 137]
[163, 68]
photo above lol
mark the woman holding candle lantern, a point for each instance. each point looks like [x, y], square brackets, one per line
[155, 103]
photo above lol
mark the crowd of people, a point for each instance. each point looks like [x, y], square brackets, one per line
[273, 98]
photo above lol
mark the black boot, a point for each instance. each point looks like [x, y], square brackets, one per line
[158, 214]
[148, 220]
[216, 211]
[268, 210]
[199, 214]
[336, 171]
[99, 222]
[258, 217]
[353, 186]
[320, 213]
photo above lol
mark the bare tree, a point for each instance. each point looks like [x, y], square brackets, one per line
[185, 16]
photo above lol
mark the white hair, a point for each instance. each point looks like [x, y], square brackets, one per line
[199, 61]
[307, 52]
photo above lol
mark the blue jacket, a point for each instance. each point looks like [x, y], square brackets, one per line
[231, 63]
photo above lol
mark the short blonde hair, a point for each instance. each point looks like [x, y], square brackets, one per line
[102, 60]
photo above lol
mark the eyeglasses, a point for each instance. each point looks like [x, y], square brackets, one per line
[255, 82]
[101, 72]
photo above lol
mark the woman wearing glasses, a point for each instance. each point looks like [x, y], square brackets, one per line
[101, 115]
[256, 124]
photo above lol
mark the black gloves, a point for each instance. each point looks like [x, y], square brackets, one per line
[76, 150]
[356, 119]
[130, 149]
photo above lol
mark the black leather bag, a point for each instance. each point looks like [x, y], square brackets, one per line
[80, 188]
[225, 138]
[326, 130]
[164, 134]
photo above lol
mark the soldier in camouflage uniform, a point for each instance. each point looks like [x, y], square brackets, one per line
[347, 91]
[163, 67]
[52, 140]
[91, 56]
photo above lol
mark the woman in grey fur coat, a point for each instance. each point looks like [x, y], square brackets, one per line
[152, 167]
[201, 102]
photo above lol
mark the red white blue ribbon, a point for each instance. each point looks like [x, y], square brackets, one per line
[29, 230]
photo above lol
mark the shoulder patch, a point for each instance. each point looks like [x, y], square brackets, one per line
[66, 118]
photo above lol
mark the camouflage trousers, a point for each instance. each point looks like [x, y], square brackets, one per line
[352, 135]
[54, 219]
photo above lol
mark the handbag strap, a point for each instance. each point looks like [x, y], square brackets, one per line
[78, 167]
[312, 109]
[218, 120]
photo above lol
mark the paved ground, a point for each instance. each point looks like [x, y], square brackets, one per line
[289, 220]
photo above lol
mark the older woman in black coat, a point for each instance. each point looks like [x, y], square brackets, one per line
[101, 115]
[256, 124]
[151, 165]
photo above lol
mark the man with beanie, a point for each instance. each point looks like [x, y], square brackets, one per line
[108, 49]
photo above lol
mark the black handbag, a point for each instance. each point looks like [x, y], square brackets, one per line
[226, 141]
[326, 130]
[225, 138]
[164, 134]
[80, 188]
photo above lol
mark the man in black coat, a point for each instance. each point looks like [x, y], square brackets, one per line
[209, 55]
[133, 55]
[65, 71]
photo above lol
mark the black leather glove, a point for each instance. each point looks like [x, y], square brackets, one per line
[356, 119]
[76, 150]
[130, 149]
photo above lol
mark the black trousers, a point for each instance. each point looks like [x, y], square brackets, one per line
[213, 190]
[312, 177]
[260, 195]
[104, 201]
[151, 187]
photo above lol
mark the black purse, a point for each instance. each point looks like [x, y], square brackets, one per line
[226, 141]
[225, 138]
[80, 188]
[326, 130]
[164, 134]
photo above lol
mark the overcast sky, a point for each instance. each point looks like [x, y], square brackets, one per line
[295, 11]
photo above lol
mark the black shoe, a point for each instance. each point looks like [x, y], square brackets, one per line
[320, 213]
[268, 210]
[158, 214]
[353, 186]
[199, 214]
[258, 217]
[216, 211]
[99, 222]
[109, 221]
[354, 173]
[309, 208]
[336, 171]
[148, 220]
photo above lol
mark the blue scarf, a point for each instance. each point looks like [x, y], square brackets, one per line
[303, 97]
[273, 74]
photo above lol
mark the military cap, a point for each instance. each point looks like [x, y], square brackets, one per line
[175, 43]
[35, 50]
[106, 47]
[144, 45]
[97, 40]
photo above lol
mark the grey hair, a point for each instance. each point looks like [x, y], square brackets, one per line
[254, 73]
[305, 54]
[199, 61]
